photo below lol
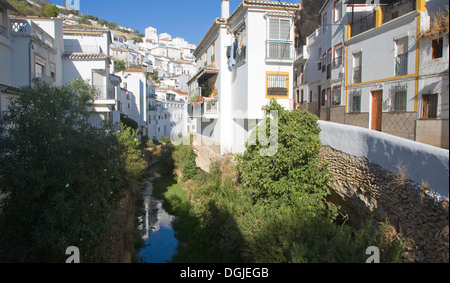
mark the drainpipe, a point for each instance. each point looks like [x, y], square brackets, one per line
[29, 61]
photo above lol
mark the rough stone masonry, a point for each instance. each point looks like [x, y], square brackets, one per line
[362, 189]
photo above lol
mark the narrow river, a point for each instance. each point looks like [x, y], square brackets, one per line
[160, 243]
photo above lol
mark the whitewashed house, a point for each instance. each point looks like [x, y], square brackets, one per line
[87, 57]
[35, 53]
[248, 58]
[167, 115]
[6, 83]
[383, 73]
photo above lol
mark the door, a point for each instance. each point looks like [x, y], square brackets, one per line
[377, 109]
[319, 99]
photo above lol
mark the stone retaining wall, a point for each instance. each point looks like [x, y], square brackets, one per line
[362, 189]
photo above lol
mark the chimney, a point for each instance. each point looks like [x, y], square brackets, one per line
[225, 9]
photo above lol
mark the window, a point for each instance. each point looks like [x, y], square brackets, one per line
[324, 97]
[399, 101]
[355, 103]
[324, 23]
[329, 64]
[337, 61]
[430, 106]
[279, 44]
[401, 60]
[213, 52]
[437, 47]
[337, 10]
[1, 16]
[324, 62]
[336, 98]
[357, 67]
[301, 97]
[310, 96]
[277, 85]
[319, 59]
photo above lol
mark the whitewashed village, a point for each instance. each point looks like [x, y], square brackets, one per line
[375, 73]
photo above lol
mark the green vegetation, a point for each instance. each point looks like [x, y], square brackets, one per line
[265, 209]
[63, 178]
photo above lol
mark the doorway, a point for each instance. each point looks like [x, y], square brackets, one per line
[377, 109]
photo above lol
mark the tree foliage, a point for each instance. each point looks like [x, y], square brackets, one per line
[294, 173]
[62, 177]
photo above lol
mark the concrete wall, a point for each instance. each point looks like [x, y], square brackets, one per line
[422, 162]
[433, 132]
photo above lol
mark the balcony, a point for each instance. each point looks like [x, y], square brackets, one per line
[397, 9]
[85, 49]
[279, 50]
[301, 53]
[401, 64]
[41, 78]
[20, 27]
[337, 62]
[363, 24]
[104, 93]
[199, 109]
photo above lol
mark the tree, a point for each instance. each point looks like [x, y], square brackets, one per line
[120, 66]
[295, 172]
[62, 177]
[102, 22]
[113, 25]
[51, 11]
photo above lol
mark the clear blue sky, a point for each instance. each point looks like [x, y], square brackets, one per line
[179, 18]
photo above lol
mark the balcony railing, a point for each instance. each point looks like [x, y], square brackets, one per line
[211, 105]
[398, 9]
[357, 75]
[401, 64]
[363, 24]
[41, 78]
[103, 92]
[279, 50]
[86, 49]
[25, 27]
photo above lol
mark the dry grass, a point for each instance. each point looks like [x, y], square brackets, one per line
[439, 25]
[399, 180]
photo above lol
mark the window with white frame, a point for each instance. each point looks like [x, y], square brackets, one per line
[398, 97]
[337, 10]
[338, 51]
[401, 59]
[279, 42]
[357, 67]
[355, 101]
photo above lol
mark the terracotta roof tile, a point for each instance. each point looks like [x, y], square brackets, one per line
[85, 56]
[272, 3]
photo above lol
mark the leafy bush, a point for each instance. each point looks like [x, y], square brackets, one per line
[62, 177]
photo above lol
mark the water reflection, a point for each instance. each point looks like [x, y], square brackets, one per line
[158, 234]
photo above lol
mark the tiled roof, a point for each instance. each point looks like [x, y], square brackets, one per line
[83, 28]
[135, 70]
[85, 56]
[272, 4]
[280, 15]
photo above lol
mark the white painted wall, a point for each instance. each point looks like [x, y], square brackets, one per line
[423, 162]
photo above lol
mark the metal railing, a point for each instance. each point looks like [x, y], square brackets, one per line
[103, 92]
[357, 75]
[363, 24]
[41, 78]
[401, 64]
[337, 61]
[279, 49]
[87, 49]
[211, 105]
[398, 9]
